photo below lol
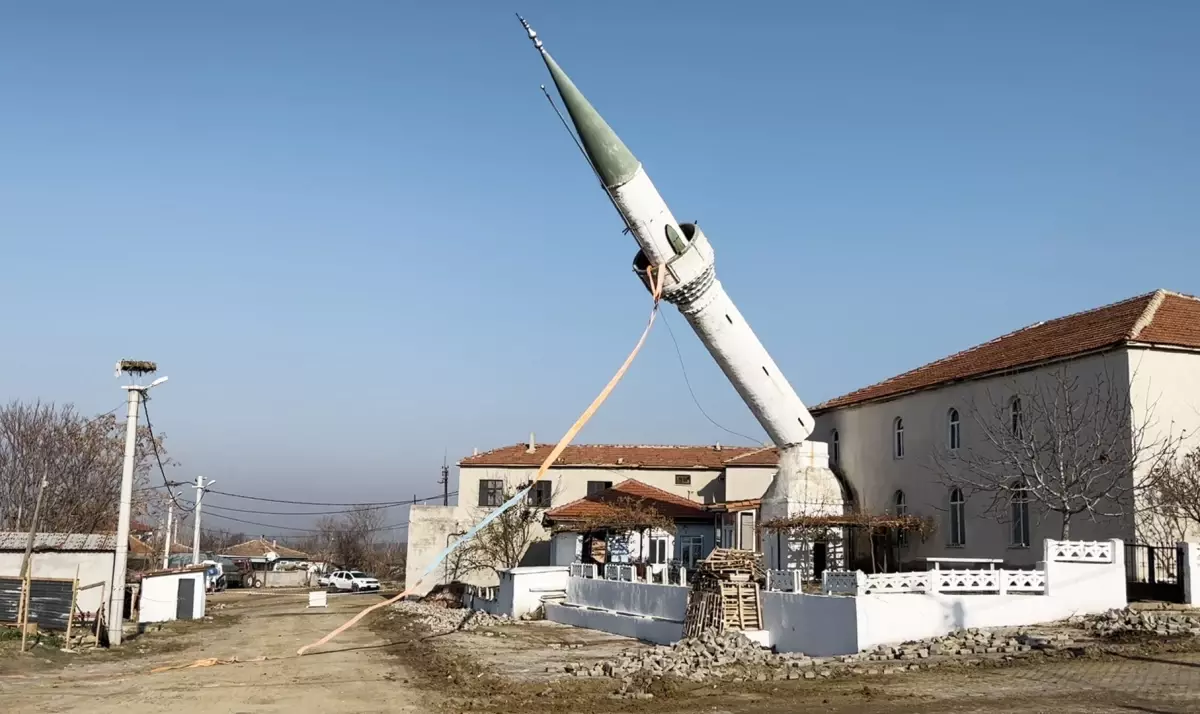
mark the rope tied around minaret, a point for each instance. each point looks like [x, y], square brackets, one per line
[657, 274]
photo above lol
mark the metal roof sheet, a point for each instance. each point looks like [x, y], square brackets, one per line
[12, 540]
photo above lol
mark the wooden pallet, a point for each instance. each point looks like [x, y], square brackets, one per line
[741, 606]
[704, 612]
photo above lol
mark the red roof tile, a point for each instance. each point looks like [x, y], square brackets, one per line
[766, 456]
[1161, 317]
[613, 456]
[601, 504]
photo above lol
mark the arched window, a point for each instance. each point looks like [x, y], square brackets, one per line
[1019, 515]
[954, 435]
[898, 438]
[958, 520]
[900, 504]
[835, 447]
[1014, 410]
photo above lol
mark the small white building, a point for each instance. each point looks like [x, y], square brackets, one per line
[86, 556]
[177, 594]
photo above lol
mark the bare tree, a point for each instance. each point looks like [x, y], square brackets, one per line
[81, 459]
[1061, 443]
[1173, 501]
[503, 542]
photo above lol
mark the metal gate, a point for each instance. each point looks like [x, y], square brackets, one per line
[1153, 572]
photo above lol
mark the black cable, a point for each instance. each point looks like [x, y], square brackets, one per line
[381, 504]
[397, 526]
[692, 392]
[158, 458]
[304, 513]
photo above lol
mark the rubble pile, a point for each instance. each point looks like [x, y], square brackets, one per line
[972, 641]
[1163, 623]
[442, 619]
[695, 658]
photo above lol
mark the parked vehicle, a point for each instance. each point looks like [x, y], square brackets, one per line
[234, 569]
[323, 581]
[352, 580]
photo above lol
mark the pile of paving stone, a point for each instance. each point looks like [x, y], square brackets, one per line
[972, 641]
[697, 658]
[441, 619]
[1164, 623]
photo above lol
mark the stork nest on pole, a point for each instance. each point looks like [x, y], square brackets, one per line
[136, 366]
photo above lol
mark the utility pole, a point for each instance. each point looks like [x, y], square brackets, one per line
[33, 529]
[445, 481]
[167, 533]
[200, 488]
[116, 602]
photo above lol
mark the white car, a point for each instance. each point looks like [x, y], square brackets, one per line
[352, 580]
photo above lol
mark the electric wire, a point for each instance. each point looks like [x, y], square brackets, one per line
[312, 513]
[158, 459]
[380, 529]
[381, 504]
[688, 382]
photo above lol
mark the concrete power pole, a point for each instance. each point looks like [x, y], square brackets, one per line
[116, 603]
[445, 481]
[33, 529]
[200, 488]
[167, 540]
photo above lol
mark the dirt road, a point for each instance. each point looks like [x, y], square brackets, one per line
[354, 674]
[385, 666]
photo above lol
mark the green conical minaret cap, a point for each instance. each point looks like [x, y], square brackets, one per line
[612, 159]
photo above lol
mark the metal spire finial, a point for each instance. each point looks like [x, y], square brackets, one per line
[532, 34]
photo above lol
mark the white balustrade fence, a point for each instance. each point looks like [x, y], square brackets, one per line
[1080, 551]
[994, 582]
[482, 592]
[788, 581]
[583, 570]
[621, 573]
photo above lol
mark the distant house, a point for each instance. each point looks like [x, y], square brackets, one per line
[266, 555]
[615, 526]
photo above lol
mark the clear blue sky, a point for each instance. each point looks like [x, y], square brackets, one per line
[355, 236]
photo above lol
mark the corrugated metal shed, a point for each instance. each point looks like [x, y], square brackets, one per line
[10, 541]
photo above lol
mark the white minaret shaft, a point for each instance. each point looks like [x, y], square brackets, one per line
[690, 282]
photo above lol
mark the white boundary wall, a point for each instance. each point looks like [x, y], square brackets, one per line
[520, 591]
[1079, 578]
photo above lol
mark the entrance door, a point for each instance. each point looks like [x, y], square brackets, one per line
[819, 553]
[1153, 572]
[185, 600]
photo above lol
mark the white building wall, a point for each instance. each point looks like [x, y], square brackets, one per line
[1166, 399]
[159, 597]
[91, 566]
[866, 459]
[744, 483]
[570, 484]
[430, 530]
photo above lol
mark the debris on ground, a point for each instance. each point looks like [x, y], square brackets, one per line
[1164, 623]
[441, 619]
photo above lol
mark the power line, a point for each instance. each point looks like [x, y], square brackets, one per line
[158, 458]
[304, 513]
[397, 526]
[381, 504]
[688, 382]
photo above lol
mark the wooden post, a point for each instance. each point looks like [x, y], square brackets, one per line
[99, 610]
[23, 610]
[71, 612]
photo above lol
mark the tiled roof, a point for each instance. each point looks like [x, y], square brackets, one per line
[766, 456]
[612, 456]
[259, 547]
[600, 504]
[1161, 318]
[10, 540]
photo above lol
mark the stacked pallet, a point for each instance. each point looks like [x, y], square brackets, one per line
[725, 593]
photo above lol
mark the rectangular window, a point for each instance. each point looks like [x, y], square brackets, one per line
[594, 487]
[491, 492]
[658, 551]
[683, 479]
[746, 539]
[539, 495]
[1019, 515]
[691, 550]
